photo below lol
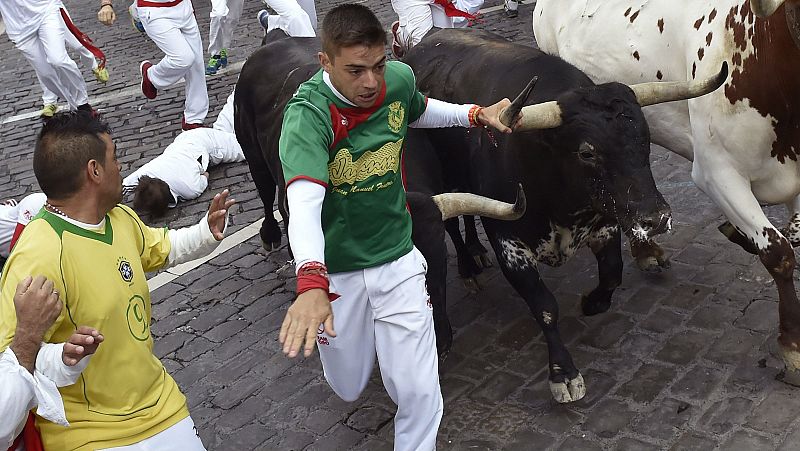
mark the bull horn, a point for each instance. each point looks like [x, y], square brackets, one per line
[510, 112]
[765, 8]
[534, 117]
[458, 204]
[660, 92]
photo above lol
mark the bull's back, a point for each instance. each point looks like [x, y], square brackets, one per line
[468, 65]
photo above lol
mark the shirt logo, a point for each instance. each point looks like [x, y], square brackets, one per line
[125, 270]
[396, 115]
[138, 320]
[344, 170]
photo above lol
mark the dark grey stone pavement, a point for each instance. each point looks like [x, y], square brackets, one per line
[684, 360]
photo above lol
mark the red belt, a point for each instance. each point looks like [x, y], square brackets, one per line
[450, 10]
[149, 4]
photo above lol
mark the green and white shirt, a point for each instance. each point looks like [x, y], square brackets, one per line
[356, 154]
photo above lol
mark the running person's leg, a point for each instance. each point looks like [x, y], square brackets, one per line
[52, 35]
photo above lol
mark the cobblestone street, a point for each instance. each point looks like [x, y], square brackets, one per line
[685, 359]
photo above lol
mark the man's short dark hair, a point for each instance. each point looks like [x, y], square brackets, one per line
[349, 25]
[152, 196]
[64, 146]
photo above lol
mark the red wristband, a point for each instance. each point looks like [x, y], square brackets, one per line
[314, 275]
[473, 116]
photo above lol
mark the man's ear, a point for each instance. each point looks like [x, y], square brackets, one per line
[325, 62]
[94, 170]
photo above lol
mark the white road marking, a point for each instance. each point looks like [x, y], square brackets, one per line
[99, 101]
[228, 242]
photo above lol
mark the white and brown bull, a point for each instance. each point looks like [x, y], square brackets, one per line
[743, 140]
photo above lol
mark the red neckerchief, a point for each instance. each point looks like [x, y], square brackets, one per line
[451, 11]
[29, 436]
[346, 119]
[83, 39]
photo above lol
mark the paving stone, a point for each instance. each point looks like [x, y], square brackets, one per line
[774, 414]
[760, 316]
[287, 439]
[714, 316]
[497, 387]
[598, 384]
[608, 331]
[321, 420]
[212, 317]
[245, 413]
[646, 383]
[694, 441]
[557, 419]
[662, 320]
[791, 442]
[631, 444]
[529, 361]
[288, 383]
[527, 439]
[734, 345]
[369, 419]
[744, 439]
[226, 330]
[453, 387]
[373, 444]
[667, 418]
[643, 300]
[688, 296]
[339, 437]
[573, 443]
[608, 418]
[683, 347]
[698, 384]
[235, 393]
[193, 348]
[168, 344]
[723, 415]
[520, 333]
[639, 344]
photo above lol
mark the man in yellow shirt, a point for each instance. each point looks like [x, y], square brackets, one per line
[96, 251]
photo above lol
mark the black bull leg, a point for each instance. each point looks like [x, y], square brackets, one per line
[566, 382]
[607, 250]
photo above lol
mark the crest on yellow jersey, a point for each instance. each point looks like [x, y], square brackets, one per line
[396, 115]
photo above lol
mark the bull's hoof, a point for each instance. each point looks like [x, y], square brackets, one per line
[791, 361]
[482, 260]
[569, 390]
[270, 237]
[472, 285]
[467, 267]
[594, 303]
[651, 263]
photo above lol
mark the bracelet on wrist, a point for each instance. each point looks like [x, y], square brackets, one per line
[103, 5]
[473, 116]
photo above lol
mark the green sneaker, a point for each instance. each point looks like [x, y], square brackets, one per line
[213, 65]
[223, 58]
[49, 110]
[100, 74]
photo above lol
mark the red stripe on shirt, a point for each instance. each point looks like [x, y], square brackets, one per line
[310, 179]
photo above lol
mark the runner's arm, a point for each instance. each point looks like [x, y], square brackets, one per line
[305, 227]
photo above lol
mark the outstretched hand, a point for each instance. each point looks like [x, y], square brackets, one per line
[302, 322]
[106, 15]
[216, 214]
[83, 342]
[490, 116]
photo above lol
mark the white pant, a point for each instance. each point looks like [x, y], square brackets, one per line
[175, 32]
[221, 28]
[386, 310]
[469, 6]
[294, 17]
[87, 59]
[182, 436]
[417, 17]
[57, 72]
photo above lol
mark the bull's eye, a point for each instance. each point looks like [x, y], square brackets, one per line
[586, 152]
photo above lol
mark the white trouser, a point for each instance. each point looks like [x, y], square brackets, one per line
[293, 18]
[182, 436]
[87, 59]
[417, 17]
[46, 51]
[175, 32]
[221, 28]
[386, 310]
[469, 6]
[222, 147]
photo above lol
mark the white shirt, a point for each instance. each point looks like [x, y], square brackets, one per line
[21, 391]
[20, 214]
[224, 121]
[23, 17]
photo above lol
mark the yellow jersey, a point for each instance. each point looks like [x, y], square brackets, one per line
[125, 394]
